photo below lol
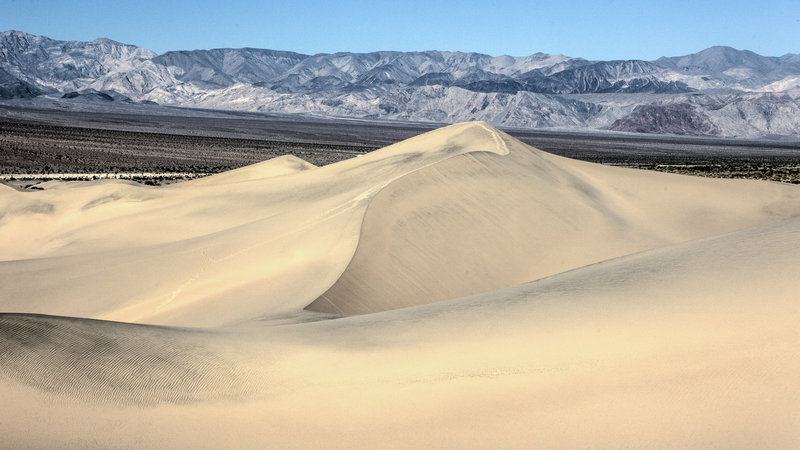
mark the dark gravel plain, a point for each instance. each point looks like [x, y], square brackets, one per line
[40, 141]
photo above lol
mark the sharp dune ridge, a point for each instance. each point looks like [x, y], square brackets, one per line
[459, 289]
[442, 231]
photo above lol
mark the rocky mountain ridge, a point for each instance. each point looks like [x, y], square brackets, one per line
[719, 91]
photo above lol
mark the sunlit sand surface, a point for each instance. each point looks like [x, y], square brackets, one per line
[457, 289]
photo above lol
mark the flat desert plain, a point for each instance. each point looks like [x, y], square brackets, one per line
[456, 289]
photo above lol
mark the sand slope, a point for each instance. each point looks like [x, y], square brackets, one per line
[505, 297]
[458, 211]
[482, 221]
[666, 347]
[230, 248]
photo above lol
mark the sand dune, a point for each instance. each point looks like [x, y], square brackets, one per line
[497, 296]
[482, 221]
[275, 167]
[201, 253]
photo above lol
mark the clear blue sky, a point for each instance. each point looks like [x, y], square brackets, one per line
[608, 29]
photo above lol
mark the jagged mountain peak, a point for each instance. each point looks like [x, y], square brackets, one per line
[14, 40]
[17, 34]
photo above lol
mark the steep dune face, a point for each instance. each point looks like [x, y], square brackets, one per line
[455, 212]
[481, 222]
[262, 240]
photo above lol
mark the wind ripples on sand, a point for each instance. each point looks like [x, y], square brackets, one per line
[116, 362]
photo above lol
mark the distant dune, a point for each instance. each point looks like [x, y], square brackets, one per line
[459, 288]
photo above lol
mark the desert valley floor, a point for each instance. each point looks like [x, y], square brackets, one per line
[457, 289]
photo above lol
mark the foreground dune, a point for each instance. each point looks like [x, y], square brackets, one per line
[495, 294]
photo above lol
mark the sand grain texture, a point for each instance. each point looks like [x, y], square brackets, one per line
[456, 289]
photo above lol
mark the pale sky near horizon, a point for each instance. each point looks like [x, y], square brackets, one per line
[611, 29]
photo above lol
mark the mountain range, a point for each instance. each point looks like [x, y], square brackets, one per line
[719, 91]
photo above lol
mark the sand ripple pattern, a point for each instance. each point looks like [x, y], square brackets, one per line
[114, 362]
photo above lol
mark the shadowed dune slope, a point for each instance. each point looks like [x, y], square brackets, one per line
[120, 362]
[480, 222]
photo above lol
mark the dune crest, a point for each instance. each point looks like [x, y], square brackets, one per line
[228, 248]
[480, 222]
[275, 167]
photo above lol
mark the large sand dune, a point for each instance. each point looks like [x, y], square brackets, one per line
[495, 294]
